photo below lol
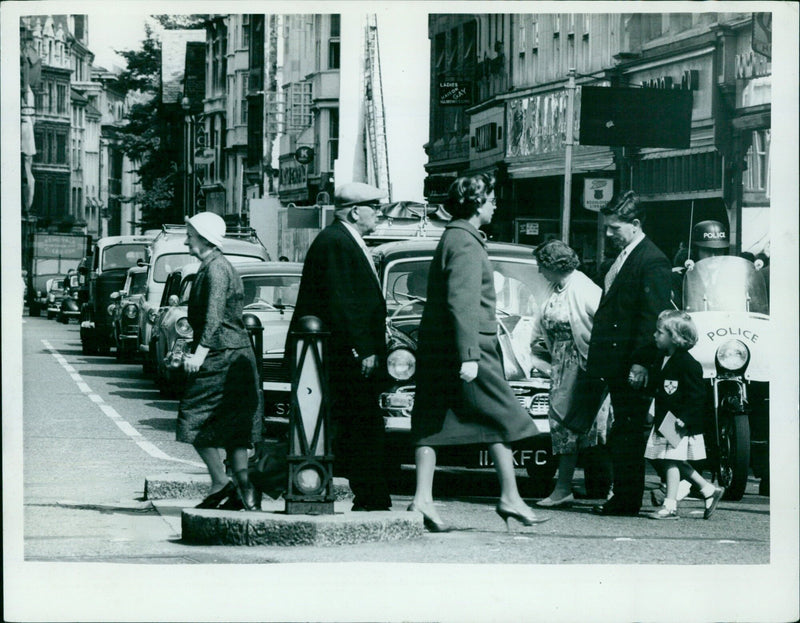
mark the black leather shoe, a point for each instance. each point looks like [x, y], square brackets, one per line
[215, 499]
[251, 499]
[233, 503]
[614, 510]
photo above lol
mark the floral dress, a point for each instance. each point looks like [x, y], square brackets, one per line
[565, 361]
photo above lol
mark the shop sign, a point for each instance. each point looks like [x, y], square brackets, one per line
[455, 93]
[689, 81]
[304, 154]
[761, 39]
[293, 176]
[528, 228]
[752, 65]
[538, 124]
[597, 192]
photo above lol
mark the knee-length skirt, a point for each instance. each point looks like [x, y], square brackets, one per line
[690, 448]
[449, 411]
[222, 404]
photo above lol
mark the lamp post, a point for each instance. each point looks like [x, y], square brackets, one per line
[566, 213]
[310, 458]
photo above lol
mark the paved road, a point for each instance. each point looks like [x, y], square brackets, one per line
[95, 428]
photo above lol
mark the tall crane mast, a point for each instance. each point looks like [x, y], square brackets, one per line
[375, 122]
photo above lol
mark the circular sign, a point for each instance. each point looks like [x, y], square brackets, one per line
[304, 155]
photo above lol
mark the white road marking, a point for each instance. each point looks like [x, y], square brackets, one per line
[115, 417]
[726, 541]
[624, 538]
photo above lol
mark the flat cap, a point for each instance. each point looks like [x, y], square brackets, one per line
[357, 193]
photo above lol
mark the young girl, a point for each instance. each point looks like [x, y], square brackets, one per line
[679, 390]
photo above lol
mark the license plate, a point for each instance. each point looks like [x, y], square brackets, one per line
[522, 458]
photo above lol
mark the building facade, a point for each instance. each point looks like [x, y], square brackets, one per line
[499, 100]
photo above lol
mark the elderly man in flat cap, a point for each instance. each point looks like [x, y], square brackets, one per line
[340, 286]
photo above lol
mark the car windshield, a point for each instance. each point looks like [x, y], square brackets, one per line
[122, 255]
[270, 290]
[138, 283]
[519, 287]
[169, 262]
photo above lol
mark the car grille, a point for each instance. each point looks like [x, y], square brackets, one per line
[539, 405]
[274, 371]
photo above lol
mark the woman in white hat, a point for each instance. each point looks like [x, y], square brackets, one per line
[221, 405]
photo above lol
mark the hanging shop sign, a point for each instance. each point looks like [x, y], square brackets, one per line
[304, 155]
[597, 192]
[455, 93]
[761, 38]
[537, 124]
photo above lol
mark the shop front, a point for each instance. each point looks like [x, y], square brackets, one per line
[535, 158]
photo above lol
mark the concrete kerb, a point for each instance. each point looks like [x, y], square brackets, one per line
[215, 527]
[171, 485]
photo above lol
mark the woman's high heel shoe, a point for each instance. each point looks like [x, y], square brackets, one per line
[215, 499]
[431, 525]
[506, 513]
[251, 498]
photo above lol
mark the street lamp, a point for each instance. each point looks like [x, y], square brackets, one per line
[310, 457]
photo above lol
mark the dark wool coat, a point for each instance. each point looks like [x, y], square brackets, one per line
[625, 320]
[459, 324]
[340, 288]
[679, 388]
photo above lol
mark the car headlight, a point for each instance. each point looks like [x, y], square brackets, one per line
[111, 309]
[131, 311]
[733, 356]
[401, 364]
[182, 327]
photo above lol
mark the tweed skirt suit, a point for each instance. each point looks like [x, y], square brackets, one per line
[459, 324]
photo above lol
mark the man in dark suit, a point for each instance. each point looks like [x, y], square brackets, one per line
[340, 286]
[622, 347]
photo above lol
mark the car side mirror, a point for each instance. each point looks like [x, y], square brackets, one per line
[140, 262]
[173, 301]
[114, 296]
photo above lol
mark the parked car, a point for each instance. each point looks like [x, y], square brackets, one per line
[70, 304]
[54, 293]
[270, 293]
[521, 290]
[125, 311]
[112, 256]
[167, 253]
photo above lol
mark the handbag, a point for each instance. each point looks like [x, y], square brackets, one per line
[269, 468]
[588, 396]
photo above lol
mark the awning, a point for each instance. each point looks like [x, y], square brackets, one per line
[550, 165]
[671, 153]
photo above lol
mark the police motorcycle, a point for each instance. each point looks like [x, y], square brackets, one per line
[726, 297]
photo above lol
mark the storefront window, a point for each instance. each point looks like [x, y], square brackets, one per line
[756, 177]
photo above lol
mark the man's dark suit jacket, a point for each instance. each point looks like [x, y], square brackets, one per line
[625, 319]
[339, 287]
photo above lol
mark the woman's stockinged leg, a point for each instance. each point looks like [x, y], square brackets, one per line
[238, 460]
[503, 460]
[216, 468]
[425, 464]
[566, 470]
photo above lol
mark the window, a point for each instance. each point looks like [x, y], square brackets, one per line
[452, 52]
[62, 99]
[521, 39]
[440, 46]
[299, 114]
[243, 98]
[756, 176]
[245, 31]
[470, 43]
[334, 59]
[333, 137]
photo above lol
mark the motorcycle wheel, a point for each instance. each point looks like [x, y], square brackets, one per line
[734, 455]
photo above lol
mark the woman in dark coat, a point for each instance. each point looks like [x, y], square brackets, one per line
[221, 406]
[462, 396]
